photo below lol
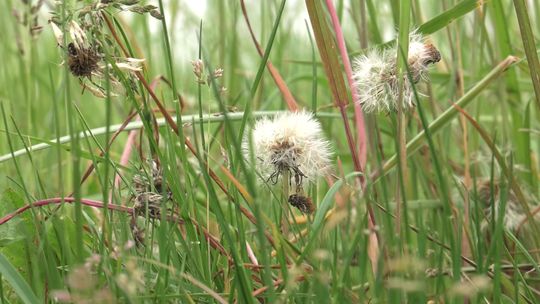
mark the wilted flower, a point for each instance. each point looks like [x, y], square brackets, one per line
[85, 56]
[290, 143]
[198, 70]
[149, 196]
[376, 79]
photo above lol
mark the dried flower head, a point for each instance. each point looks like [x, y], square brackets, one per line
[83, 61]
[290, 143]
[149, 190]
[376, 76]
[150, 193]
[86, 47]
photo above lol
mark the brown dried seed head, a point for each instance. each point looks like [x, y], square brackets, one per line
[302, 202]
[149, 200]
[82, 61]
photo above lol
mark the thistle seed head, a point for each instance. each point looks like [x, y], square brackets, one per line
[376, 79]
[290, 142]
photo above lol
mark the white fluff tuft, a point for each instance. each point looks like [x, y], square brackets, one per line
[376, 79]
[292, 142]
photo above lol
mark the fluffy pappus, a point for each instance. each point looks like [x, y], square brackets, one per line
[289, 142]
[377, 82]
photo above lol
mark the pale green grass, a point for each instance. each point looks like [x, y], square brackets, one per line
[445, 249]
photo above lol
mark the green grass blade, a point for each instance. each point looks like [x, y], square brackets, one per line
[21, 288]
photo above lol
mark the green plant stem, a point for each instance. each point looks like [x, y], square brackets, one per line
[446, 118]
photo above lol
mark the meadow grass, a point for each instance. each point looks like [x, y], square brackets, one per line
[149, 192]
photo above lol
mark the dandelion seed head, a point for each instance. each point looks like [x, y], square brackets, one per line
[293, 142]
[376, 79]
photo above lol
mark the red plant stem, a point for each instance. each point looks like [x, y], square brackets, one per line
[124, 159]
[359, 160]
[251, 254]
[59, 200]
[358, 114]
[128, 147]
[97, 204]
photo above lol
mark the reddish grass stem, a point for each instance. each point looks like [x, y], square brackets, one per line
[359, 159]
[59, 200]
[358, 114]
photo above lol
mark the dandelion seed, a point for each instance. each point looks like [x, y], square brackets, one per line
[376, 79]
[292, 143]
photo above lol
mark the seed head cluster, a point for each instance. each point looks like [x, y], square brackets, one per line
[85, 50]
[150, 194]
[290, 142]
[376, 76]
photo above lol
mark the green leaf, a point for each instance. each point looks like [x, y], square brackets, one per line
[442, 20]
[328, 52]
[21, 288]
[446, 117]
[15, 229]
[527, 36]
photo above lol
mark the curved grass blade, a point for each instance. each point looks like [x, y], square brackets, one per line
[529, 45]
[14, 278]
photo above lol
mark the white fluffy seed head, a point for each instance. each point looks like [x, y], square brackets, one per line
[289, 141]
[376, 79]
